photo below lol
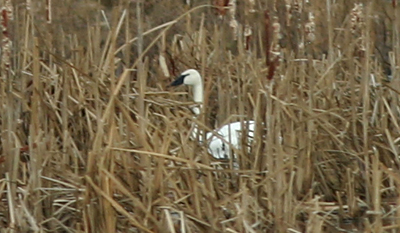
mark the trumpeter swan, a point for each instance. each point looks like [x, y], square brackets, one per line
[230, 134]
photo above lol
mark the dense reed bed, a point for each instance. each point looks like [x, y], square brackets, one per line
[94, 140]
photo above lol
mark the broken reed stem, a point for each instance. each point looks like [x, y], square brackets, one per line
[140, 71]
[36, 132]
[365, 95]
[48, 11]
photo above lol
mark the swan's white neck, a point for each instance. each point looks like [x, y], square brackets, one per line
[198, 95]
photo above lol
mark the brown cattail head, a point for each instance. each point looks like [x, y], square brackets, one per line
[9, 8]
[357, 28]
[48, 11]
[221, 6]
[6, 16]
[357, 18]
[272, 68]
[267, 40]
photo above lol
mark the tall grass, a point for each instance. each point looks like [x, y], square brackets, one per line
[94, 140]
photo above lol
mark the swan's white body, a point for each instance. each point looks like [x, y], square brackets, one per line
[221, 139]
[230, 134]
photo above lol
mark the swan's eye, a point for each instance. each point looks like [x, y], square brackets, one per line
[223, 146]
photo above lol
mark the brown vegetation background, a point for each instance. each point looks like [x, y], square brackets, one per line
[94, 140]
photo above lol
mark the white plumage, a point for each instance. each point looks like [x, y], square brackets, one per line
[228, 135]
[231, 134]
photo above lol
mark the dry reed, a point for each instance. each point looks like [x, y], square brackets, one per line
[93, 140]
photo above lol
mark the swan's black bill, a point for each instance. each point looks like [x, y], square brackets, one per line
[178, 81]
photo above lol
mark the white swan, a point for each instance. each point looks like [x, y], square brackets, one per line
[221, 140]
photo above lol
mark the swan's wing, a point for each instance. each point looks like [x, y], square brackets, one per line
[218, 148]
[233, 132]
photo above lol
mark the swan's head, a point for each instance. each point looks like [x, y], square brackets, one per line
[189, 77]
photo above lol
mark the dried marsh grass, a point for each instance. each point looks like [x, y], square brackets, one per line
[93, 140]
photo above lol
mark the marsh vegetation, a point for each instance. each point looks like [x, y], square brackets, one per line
[94, 140]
